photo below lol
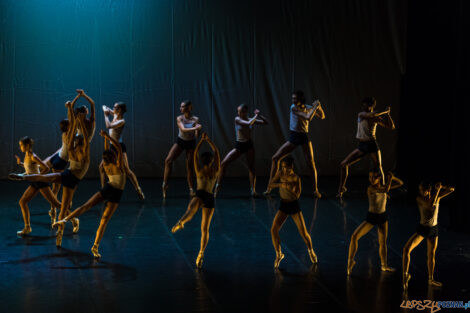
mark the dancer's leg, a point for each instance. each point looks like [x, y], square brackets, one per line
[360, 231]
[107, 214]
[250, 161]
[49, 195]
[193, 206]
[207, 214]
[132, 176]
[190, 170]
[309, 158]
[300, 223]
[67, 196]
[377, 158]
[27, 196]
[229, 158]
[382, 231]
[278, 221]
[94, 200]
[352, 158]
[432, 246]
[412, 243]
[174, 153]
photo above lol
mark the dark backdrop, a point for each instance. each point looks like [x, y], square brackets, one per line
[153, 54]
[434, 116]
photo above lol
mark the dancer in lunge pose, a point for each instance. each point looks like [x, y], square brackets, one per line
[111, 192]
[33, 165]
[79, 158]
[243, 145]
[290, 187]
[377, 215]
[115, 126]
[300, 117]
[188, 131]
[428, 203]
[367, 122]
[206, 174]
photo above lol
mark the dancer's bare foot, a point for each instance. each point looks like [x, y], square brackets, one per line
[53, 215]
[140, 193]
[14, 176]
[406, 280]
[341, 193]
[26, 230]
[351, 264]
[434, 283]
[164, 189]
[199, 260]
[386, 268]
[317, 194]
[75, 224]
[313, 256]
[279, 257]
[94, 250]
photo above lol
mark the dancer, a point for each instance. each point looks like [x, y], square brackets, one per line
[428, 204]
[113, 165]
[377, 215]
[58, 161]
[115, 126]
[79, 158]
[300, 117]
[206, 175]
[188, 131]
[290, 187]
[33, 165]
[244, 144]
[367, 122]
[90, 123]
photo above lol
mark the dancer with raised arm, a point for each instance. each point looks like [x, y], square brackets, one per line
[33, 165]
[243, 145]
[300, 117]
[367, 122]
[116, 126]
[290, 187]
[206, 173]
[188, 131]
[111, 192]
[428, 203]
[79, 157]
[377, 215]
[90, 122]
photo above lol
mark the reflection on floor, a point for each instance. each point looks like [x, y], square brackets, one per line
[146, 269]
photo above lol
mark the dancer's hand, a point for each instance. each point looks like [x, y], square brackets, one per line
[198, 126]
[18, 160]
[316, 103]
[438, 186]
[256, 112]
[103, 133]
[387, 110]
[68, 104]
[81, 92]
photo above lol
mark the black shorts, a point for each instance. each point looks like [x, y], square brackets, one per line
[123, 148]
[111, 194]
[244, 146]
[58, 163]
[186, 144]
[39, 184]
[376, 218]
[67, 179]
[206, 197]
[297, 138]
[289, 207]
[427, 231]
[370, 146]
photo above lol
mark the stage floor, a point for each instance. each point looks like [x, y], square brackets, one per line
[144, 268]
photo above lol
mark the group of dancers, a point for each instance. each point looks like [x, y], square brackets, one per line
[78, 130]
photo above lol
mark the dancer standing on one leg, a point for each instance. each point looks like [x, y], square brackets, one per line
[428, 204]
[290, 187]
[79, 158]
[377, 215]
[206, 174]
[115, 126]
[367, 122]
[188, 131]
[58, 161]
[111, 192]
[244, 144]
[33, 165]
[300, 117]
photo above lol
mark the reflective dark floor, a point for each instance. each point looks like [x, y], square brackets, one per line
[145, 268]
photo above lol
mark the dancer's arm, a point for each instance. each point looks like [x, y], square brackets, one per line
[102, 174]
[215, 164]
[180, 124]
[438, 188]
[43, 166]
[196, 122]
[319, 111]
[197, 168]
[250, 122]
[117, 145]
[386, 121]
[373, 115]
[92, 105]
[82, 127]
[396, 183]
[18, 161]
[113, 124]
[262, 120]
[445, 191]
[70, 112]
[71, 133]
